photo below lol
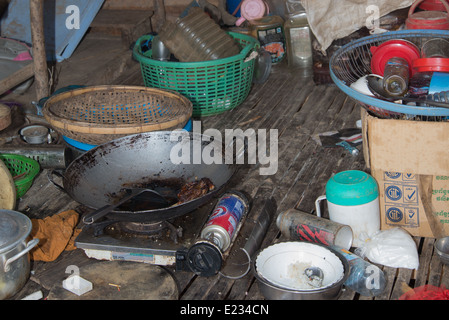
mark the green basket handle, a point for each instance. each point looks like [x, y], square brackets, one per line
[137, 50]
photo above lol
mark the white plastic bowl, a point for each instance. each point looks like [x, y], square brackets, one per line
[361, 85]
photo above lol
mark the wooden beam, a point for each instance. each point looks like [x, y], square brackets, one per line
[160, 15]
[38, 42]
[16, 78]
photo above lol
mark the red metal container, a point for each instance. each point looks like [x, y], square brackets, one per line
[432, 5]
[438, 20]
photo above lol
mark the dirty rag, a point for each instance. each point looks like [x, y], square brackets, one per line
[55, 233]
[335, 19]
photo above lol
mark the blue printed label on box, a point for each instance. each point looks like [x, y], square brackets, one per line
[401, 199]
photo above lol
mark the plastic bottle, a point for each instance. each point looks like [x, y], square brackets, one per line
[196, 37]
[396, 77]
[364, 278]
[298, 37]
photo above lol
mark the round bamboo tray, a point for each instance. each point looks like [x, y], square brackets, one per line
[5, 116]
[7, 188]
[98, 114]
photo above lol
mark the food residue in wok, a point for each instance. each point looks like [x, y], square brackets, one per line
[194, 190]
[174, 193]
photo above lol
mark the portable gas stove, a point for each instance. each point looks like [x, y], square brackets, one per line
[154, 243]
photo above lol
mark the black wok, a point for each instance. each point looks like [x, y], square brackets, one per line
[97, 178]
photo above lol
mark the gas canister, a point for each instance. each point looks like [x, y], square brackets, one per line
[205, 256]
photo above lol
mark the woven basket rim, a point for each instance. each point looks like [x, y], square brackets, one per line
[117, 128]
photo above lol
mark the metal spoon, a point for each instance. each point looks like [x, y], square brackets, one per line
[315, 276]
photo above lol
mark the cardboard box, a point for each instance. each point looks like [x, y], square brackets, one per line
[410, 161]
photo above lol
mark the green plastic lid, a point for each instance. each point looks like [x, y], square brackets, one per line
[351, 188]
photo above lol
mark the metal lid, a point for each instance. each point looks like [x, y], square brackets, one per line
[14, 228]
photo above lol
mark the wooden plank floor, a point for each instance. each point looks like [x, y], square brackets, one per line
[298, 109]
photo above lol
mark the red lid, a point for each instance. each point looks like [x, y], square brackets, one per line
[431, 64]
[393, 49]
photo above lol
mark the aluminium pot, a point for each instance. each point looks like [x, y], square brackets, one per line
[15, 228]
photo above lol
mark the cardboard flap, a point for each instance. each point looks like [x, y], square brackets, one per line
[420, 147]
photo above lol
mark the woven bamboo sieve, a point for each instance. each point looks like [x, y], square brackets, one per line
[98, 114]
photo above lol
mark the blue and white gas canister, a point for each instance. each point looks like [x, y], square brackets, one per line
[353, 199]
[224, 221]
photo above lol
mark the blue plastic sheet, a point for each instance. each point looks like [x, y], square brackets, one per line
[65, 24]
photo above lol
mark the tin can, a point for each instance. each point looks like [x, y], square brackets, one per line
[269, 30]
[298, 225]
[223, 223]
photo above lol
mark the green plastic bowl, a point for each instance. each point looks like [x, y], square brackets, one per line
[351, 188]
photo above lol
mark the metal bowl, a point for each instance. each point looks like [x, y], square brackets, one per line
[284, 257]
[442, 249]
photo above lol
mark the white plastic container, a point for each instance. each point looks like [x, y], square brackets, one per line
[77, 285]
[353, 199]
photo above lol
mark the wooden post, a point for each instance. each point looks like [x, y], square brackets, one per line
[160, 15]
[38, 42]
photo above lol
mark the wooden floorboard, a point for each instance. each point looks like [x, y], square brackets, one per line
[299, 110]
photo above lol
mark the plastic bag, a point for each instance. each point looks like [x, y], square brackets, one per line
[426, 292]
[392, 248]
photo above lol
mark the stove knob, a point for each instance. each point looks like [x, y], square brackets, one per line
[204, 259]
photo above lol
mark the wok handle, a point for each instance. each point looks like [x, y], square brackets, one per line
[97, 214]
[101, 212]
[50, 175]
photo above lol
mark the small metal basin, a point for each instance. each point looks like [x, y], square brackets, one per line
[441, 246]
[279, 268]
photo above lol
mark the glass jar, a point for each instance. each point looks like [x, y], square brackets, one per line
[396, 77]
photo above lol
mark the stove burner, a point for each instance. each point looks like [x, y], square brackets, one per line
[154, 230]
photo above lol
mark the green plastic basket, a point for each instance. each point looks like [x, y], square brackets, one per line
[22, 169]
[212, 86]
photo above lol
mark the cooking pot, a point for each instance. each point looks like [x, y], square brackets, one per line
[98, 177]
[15, 228]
